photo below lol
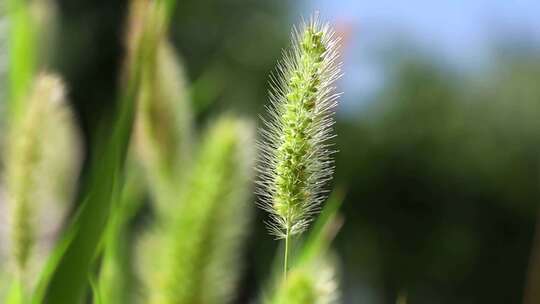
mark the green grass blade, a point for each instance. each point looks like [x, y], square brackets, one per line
[116, 276]
[22, 54]
[69, 279]
[96, 295]
[54, 259]
[324, 230]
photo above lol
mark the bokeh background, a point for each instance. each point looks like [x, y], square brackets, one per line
[438, 130]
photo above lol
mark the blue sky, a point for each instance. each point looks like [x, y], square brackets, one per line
[460, 32]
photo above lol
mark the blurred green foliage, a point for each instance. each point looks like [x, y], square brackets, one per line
[444, 168]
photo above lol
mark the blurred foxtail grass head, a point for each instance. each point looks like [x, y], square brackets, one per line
[41, 160]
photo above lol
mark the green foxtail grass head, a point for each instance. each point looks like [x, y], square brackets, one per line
[41, 164]
[201, 240]
[296, 156]
[163, 126]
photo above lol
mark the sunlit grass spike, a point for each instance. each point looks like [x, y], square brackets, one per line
[296, 158]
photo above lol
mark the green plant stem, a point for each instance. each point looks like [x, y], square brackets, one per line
[286, 254]
[21, 53]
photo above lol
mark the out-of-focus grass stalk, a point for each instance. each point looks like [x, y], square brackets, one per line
[44, 14]
[29, 40]
[163, 123]
[65, 279]
[324, 230]
[116, 279]
[163, 138]
[202, 239]
[22, 54]
[169, 10]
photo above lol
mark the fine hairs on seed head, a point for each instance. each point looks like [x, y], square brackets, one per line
[296, 161]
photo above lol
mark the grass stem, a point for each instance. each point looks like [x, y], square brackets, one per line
[286, 254]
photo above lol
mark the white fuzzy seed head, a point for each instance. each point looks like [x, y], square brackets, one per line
[296, 161]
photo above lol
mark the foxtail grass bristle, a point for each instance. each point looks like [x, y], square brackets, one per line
[296, 159]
